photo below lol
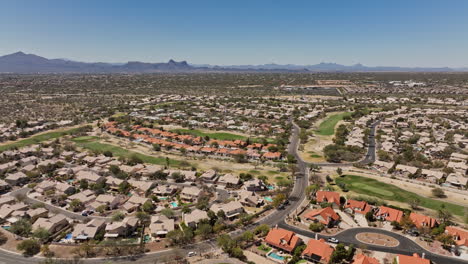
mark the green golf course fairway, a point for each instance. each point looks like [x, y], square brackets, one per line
[327, 127]
[384, 191]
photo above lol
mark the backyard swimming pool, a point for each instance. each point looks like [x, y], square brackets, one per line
[268, 199]
[276, 256]
[174, 204]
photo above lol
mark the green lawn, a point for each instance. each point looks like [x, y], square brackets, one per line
[93, 144]
[389, 192]
[217, 135]
[37, 139]
[327, 127]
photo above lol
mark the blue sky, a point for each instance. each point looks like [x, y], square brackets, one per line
[387, 32]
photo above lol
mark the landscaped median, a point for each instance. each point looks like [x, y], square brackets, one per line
[374, 188]
[93, 144]
[40, 138]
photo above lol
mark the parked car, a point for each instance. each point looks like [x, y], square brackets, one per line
[333, 240]
[191, 254]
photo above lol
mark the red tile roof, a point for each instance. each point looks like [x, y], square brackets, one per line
[360, 207]
[329, 197]
[415, 259]
[363, 259]
[324, 216]
[318, 248]
[420, 220]
[282, 238]
[389, 214]
[460, 235]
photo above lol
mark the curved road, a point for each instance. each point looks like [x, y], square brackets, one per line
[406, 246]
[348, 236]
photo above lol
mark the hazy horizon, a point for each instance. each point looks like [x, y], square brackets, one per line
[396, 33]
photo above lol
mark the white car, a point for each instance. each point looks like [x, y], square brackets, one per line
[191, 254]
[333, 240]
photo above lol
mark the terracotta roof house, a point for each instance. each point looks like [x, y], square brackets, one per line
[89, 230]
[328, 197]
[363, 259]
[460, 235]
[360, 207]
[415, 259]
[420, 220]
[282, 239]
[318, 251]
[389, 214]
[326, 216]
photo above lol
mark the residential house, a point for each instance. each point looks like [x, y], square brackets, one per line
[165, 190]
[248, 198]
[110, 201]
[209, 176]
[360, 207]
[460, 236]
[121, 229]
[415, 259]
[65, 188]
[134, 202]
[388, 214]
[37, 213]
[328, 197]
[420, 220]
[85, 196]
[89, 176]
[255, 185]
[326, 216]
[53, 224]
[89, 230]
[4, 186]
[45, 186]
[457, 180]
[363, 259]
[318, 251]
[161, 225]
[229, 181]
[282, 239]
[193, 218]
[190, 194]
[17, 178]
[230, 209]
[432, 176]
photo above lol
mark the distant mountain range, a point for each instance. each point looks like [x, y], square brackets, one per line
[20, 62]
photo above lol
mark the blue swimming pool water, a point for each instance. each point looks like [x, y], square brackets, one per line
[6, 227]
[271, 187]
[174, 204]
[275, 256]
[69, 236]
[268, 199]
[162, 198]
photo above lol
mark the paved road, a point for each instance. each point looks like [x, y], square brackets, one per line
[406, 246]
